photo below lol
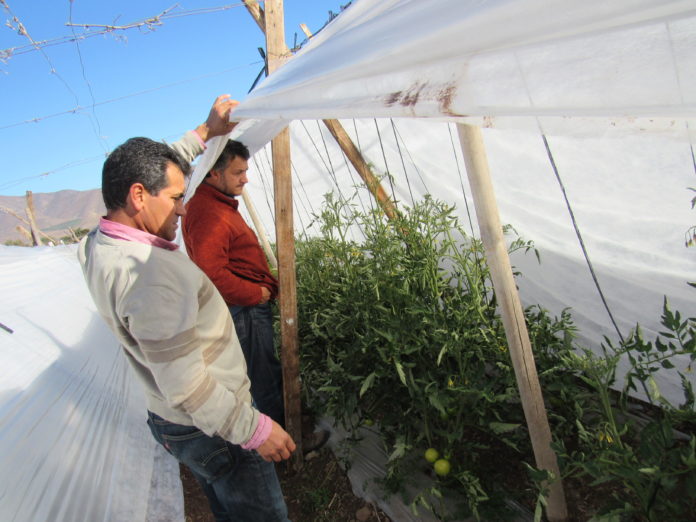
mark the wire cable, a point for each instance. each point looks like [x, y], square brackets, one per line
[580, 239]
[386, 166]
[403, 163]
[461, 180]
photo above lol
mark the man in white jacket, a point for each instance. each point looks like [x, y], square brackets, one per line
[178, 336]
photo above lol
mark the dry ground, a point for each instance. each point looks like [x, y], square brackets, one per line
[320, 492]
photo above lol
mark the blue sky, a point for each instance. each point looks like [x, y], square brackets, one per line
[134, 82]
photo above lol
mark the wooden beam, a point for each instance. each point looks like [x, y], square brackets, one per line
[256, 13]
[35, 235]
[25, 221]
[24, 232]
[14, 214]
[260, 231]
[285, 238]
[512, 314]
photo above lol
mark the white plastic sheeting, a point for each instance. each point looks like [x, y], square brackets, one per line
[619, 66]
[74, 445]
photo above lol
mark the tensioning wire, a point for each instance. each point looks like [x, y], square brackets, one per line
[332, 172]
[327, 167]
[579, 236]
[461, 180]
[403, 164]
[371, 199]
[410, 157]
[386, 166]
[266, 189]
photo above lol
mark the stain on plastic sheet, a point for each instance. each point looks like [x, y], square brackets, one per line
[407, 98]
[443, 94]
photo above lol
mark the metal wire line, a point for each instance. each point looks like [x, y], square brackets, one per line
[461, 180]
[403, 163]
[93, 120]
[126, 96]
[386, 166]
[579, 236]
[370, 200]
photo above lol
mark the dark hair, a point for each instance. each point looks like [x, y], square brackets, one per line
[232, 150]
[138, 160]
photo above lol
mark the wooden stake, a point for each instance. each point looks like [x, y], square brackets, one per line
[512, 313]
[24, 232]
[282, 183]
[25, 221]
[32, 222]
[260, 231]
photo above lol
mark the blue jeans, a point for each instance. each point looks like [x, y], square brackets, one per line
[254, 326]
[239, 484]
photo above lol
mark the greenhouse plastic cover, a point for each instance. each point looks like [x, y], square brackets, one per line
[611, 84]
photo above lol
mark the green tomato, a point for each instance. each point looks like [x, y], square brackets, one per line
[442, 467]
[431, 455]
[368, 422]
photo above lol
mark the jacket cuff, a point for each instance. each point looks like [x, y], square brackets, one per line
[263, 431]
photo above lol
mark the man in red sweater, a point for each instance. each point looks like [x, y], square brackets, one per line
[220, 242]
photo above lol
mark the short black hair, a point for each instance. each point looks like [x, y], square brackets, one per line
[232, 150]
[138, 160]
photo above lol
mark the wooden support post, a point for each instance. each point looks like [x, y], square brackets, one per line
[21, 229]
[306, 30]
[260, 231]
[282, 184]
[24, 232]
[512, 314]
[36, 240]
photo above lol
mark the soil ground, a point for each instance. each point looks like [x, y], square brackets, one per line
[320, 492]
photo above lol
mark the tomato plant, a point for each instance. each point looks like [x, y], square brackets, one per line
[398, 324]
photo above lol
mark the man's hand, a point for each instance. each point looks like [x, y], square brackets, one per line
[218, 122]
[278, 446]
[265, 295]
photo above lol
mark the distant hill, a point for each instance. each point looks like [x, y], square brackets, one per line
[55, 212]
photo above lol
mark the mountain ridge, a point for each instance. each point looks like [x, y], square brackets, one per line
[55, 213]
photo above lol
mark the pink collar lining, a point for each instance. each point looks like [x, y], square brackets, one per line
[120, 231]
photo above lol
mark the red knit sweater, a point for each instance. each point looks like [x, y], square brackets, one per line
[220, 242]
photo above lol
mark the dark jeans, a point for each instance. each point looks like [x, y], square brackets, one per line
[254, 325]
[239, 484]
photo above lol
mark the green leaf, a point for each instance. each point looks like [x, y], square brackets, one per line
[502, 427]
[443, 351]
[654, 390]
[435, 401]
[399, 450]
[367, 383]
[400, 371]
[649, 471]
